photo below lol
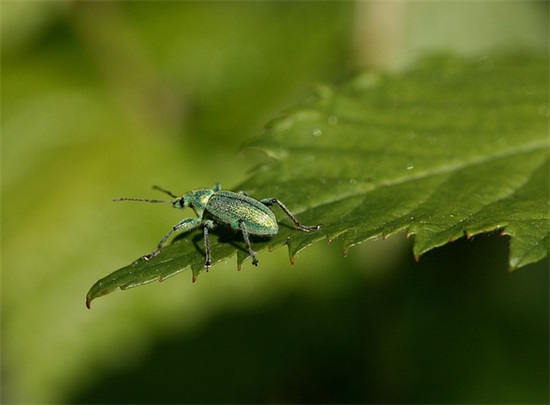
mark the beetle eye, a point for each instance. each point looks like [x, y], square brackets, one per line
[179, 203]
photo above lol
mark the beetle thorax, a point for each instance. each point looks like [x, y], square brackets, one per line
[198, 200]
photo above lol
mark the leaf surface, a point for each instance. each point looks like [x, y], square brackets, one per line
[450, 148]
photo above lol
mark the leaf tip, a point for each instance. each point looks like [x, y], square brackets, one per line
[513, 265]
[96, 291]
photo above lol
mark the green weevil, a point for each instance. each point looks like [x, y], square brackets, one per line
[223, 207]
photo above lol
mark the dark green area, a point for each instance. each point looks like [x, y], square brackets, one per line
[375, 342]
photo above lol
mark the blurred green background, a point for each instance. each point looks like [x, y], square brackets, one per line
[105, 99]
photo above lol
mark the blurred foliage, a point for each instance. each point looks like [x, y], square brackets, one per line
[104, 99]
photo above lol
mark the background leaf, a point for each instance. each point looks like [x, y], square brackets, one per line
[448, 149]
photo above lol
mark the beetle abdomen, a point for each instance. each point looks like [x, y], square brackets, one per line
[233, 209]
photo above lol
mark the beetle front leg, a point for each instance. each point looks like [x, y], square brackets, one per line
[270, 201]
[247, 242]
[185, 225]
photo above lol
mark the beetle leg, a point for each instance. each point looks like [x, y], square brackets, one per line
[270, 201]
[185, 225]
[247, 242]
[208, 261]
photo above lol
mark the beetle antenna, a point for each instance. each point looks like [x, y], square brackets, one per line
[141, 199]
[165, 191]
[148, 199]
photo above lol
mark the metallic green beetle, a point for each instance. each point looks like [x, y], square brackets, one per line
[216, 206]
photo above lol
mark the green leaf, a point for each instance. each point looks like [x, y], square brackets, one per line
[448, 149]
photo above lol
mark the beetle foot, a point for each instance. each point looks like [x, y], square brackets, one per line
[307, 228]
[149, 256]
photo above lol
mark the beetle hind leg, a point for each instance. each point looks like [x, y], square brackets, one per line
[306, 228]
